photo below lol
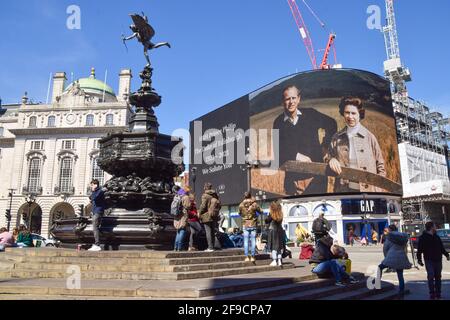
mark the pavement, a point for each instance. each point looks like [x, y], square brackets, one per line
[366, 260]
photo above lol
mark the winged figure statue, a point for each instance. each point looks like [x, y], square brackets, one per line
[144, 33]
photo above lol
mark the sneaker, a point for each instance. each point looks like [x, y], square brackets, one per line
[273, 263]
[192, 249]
[339, 284]
[209, 250]
[95, 248]
[352, 280]
[247, 259]
[280, 263]
[252, 259]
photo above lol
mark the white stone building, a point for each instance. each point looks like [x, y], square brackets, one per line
[48, 151]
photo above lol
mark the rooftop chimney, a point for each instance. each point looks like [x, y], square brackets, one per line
[59, 80]
[124, 84]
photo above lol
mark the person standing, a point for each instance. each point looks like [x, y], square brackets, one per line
[247, 210]
[374, 237]
[98, 202]
[351, 237]
[194, 224]
[276, 241]
[431, 247]
[180, 221]
[395, 252]
[209, 214]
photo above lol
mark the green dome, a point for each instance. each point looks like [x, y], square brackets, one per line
[92, 85]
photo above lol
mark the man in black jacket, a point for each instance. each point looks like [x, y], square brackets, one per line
[431, 246]
[299, 140]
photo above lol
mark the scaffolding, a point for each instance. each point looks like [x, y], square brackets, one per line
[419, 126]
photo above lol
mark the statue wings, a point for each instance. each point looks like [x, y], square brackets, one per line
[144, 28]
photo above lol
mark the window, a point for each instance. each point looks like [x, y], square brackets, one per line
[90, 120]
[1, 131]
[109, 119]
[96, 144]
[51, 121]
[65, 175]
[32, 123]
[298, 211]
[37, 145]
[97, 172]
[34, 175]
[68, 144]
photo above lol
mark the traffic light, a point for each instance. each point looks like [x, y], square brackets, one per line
[81, 208]
[8, 214]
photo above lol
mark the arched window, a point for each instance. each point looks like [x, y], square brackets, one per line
[90, 120]
[51, 121]
[109, 119]
[325, 208]
[97, 172]
[32, 123]
[298, 211]
[65, 175]
[34, 175]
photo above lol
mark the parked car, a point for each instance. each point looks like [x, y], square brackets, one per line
[40, 241]
[444, 234]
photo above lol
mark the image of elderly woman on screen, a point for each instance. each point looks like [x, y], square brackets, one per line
[354, 147]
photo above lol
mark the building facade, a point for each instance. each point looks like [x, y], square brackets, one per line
[48, 152]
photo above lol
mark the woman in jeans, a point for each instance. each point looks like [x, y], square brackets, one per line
[180, 221]
[276, 241]
[194, 224]
[247, 210]
[395, 253]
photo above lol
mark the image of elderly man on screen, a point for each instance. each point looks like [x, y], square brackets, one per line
[304, 134]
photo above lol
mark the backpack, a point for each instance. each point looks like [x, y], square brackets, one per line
[319, 227]
[176, 208]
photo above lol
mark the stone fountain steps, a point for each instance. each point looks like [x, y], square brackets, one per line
[115, 265]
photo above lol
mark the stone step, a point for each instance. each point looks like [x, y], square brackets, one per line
[273, 291]
[88, 275]
[319, 292]
[387, 295]
[56, 252]
[12, 257]
[125, 267]
[361, 293]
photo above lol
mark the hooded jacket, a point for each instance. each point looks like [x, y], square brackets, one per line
[210, 207]
[395, 252]
[247, 210]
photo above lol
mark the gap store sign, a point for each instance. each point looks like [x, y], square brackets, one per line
[361, 206]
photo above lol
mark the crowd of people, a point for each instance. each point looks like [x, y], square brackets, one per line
[19, 237]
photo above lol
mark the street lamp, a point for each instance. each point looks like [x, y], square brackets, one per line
[30, 200]
[365, 218]
[8, 212]
[261, 197]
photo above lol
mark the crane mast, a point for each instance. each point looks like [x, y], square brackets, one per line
[393, 67]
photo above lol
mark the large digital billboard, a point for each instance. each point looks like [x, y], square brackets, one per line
[313, 133]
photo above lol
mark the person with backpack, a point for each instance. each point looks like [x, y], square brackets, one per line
[179, 209]
[320, 227]
[247, 210]
[431, 247]
[209, 214]
[395, 252]
[276, 239]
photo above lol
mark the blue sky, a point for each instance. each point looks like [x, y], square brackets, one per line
[221, 49]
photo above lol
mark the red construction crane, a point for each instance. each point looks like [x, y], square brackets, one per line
[307, 40]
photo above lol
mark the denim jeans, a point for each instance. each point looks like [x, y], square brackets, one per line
[179, 239]
[96, 222]
[332, 266]
[250, 232]
[434, 274]
[401, 279]
[195, 229]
